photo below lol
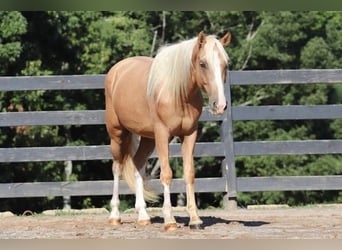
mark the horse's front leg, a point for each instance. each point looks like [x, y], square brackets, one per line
[162, 146]
[188, 145]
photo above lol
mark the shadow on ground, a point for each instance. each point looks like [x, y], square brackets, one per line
[212, 220]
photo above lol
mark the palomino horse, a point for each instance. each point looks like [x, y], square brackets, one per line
[157, 99]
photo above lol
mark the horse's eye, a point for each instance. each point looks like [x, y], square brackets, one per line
[203, 64]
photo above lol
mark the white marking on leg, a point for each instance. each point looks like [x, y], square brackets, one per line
[140, 204]
[167, 207]
[115, 202]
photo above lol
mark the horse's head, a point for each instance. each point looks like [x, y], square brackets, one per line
[210, 62]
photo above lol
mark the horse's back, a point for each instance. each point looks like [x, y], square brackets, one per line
[128, 69]
[125, 87]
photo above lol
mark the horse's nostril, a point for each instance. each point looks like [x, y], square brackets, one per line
[226, 106]
[214, 104]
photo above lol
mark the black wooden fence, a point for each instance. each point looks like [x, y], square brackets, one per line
[229, 183]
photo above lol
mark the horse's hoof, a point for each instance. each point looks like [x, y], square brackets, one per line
[143, 222]
[196, 226]
[170, 227]
[114, 221]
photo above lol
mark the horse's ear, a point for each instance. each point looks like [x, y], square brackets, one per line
[201, 39]
[225, 40]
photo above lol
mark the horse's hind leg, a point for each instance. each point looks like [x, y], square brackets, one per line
[145, 149]
[114, 218]
[119, 147]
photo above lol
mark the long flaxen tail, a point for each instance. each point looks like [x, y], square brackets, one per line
[128, 170]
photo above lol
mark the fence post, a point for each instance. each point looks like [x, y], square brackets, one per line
[68, 172]
[228, 164]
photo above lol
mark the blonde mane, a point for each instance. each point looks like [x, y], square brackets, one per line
[171, 69]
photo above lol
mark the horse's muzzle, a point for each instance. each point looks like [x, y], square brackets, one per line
[218, 109]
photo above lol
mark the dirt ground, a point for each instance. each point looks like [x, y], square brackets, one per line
[319, 222]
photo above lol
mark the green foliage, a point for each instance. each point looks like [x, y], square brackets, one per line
[336, 127]
[113, 38]
[317, 54]
[89, 42]
[12, 27]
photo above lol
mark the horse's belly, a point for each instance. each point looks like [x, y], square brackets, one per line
[134, 115]
[137, 123]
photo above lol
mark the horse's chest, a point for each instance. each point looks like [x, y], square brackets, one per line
[179, 125]
[188, 124]
[181, 120]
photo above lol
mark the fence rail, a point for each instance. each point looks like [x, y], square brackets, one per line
[96, 117]
[227, 148]
[310, 76]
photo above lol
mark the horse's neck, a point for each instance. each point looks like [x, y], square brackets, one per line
[194, 96]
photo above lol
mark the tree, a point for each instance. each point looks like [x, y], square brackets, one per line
[12, 27]
[289, 40]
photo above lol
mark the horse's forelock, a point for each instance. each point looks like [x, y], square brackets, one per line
[210, 45]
